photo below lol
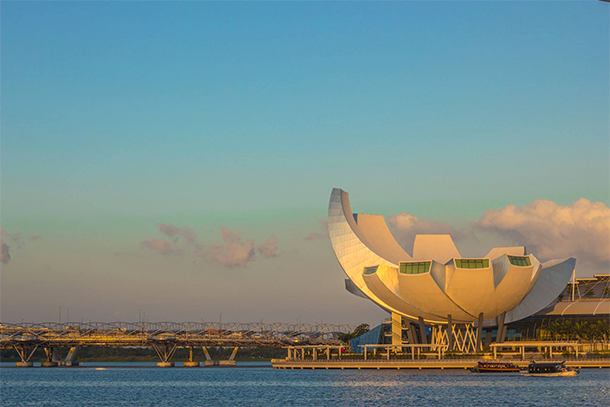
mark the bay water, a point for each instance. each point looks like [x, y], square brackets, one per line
[257, 384]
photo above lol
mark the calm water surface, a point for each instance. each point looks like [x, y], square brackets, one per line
[142, 385]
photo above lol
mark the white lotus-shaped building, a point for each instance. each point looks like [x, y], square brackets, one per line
[437, 283]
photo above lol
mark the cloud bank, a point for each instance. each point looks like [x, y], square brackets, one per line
[323, 226]
[162, 247]
[5, 256]
[549, 230]
[175, 232]
[268, 248]
[230, 251]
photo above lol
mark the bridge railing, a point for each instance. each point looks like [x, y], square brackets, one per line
[143, 333]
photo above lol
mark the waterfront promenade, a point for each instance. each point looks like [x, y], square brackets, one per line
[428, 356]
[442, 364]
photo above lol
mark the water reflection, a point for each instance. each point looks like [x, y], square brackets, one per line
[140, 386]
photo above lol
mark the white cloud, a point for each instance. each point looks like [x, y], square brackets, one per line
[231, 251]
[268, 248]
[5, 256]
[549, 230]
[323, 225]
[174, 232]
[162, 247]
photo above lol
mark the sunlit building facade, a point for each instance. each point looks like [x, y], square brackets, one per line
[436, 285]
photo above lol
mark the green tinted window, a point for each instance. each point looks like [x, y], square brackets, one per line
[520, 261]
[472, 263]
[415, 268]
[370, 270]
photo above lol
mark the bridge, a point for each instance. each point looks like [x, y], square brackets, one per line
[164, 337]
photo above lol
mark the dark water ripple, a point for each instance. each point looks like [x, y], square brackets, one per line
[178, 387]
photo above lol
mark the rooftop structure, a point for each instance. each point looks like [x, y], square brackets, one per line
[436, 284]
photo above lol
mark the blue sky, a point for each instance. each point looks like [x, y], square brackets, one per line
[117, 116]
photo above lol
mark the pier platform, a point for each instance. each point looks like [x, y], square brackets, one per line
[398, 364]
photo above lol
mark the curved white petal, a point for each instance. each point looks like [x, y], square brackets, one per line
[499, 251]
[423, 291]
[383, 283]
[472, 289]
[512, 283]
[349, 244]
[436, 247]
[552, 280]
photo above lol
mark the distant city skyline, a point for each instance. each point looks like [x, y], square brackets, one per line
[178, 157]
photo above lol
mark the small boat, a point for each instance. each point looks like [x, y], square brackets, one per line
[495, 367]
[549, 370]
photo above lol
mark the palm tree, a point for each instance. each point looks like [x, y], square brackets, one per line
[567, 329]
[600, 329]
[581, 330]
[554, 328]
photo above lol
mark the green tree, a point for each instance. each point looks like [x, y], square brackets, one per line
[360, 330]
[567, 329]
[581, 330]
[554, 328]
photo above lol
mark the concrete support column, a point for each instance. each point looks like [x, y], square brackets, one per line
[190, 362]
[422, 331]
[328, 353]
[522, 348]
[480, 333]
[315, 354]
[25, 354]
[500, 336]
[411, 334]
[495, 352]
[449, 332]
[487, 340]
[396, 329]
[49, 362]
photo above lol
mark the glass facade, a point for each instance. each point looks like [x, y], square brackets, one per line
[472, 263]
[519, 261]
[370, 270]
[415, 268]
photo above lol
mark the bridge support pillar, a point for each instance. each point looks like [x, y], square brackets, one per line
[191, 362]
[231, 361]
[210, 362]
[49, 362]
[165, 353]
[25, 354]
[70, 358]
